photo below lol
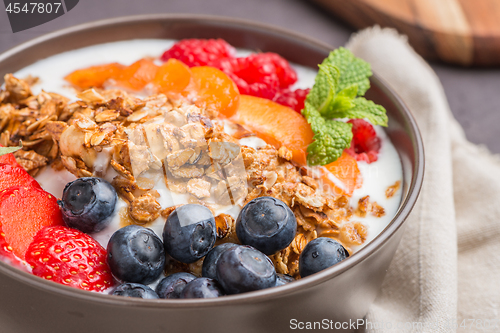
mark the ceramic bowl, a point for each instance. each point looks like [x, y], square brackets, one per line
[341, 293]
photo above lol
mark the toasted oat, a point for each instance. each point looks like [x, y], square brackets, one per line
[103, 134]
[189, 171]
[365, 206]
[308, 197]
[124, 187]
[145, 208]
[391, 190]
[377, 210]
[298, 243]
[176, 185]
[311, 182]
[121, 170]
[30, 160]
[224, 152]
[221, 193]
[224, 224]
[178, 158]
[167, 211]
[285, 153]
[55, 128]
[90, 96]
[198, 187]
[353, 233]
[106, 115]
[18, 89]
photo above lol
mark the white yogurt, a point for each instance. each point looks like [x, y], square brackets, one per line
[377, 176]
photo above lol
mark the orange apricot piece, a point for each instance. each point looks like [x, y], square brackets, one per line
[137, 75]
[276, 124]
[346, 170]
[94, 76]
[216, 90]
[172, 76]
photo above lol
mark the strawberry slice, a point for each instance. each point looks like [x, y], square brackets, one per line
[23, 212]
[8, 256]
[15, 176]
[70, 257]
[8, 159]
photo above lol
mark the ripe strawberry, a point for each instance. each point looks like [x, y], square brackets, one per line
[69, 257]
[365, 144]
[15, 176]
[23, 212]
[199, 52]
[8, 159]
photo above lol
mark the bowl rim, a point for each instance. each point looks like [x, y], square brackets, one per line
[257, 296]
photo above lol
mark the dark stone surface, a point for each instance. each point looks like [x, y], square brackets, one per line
[473, 94]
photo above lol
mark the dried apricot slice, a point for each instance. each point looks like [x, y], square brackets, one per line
[346, 170]
[94, 76]
[137, 75]
[278, 125]
[216, 90]
[172, 76]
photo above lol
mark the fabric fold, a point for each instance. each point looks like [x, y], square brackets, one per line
[421, 284]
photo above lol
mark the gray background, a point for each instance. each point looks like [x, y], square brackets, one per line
[473, 94]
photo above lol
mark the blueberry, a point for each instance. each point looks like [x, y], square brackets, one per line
[189, 233]
[172, 285]
[202, 288]
[267, 224]
[136, 254]
[319, 254]
[134, 290]
[282, 279]
[243, 268]
[208, 268]
[88, 204]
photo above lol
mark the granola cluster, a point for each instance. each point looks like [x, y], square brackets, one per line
[139, 143]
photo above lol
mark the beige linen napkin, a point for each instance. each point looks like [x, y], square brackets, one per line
[445, 276]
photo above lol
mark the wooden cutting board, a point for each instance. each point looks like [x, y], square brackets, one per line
[465, 32]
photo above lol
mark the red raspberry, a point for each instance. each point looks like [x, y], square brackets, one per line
[286, 74]
[292, 98]
[199, 52]
[260, 82]
[260, 75]
[262, 66]
[365, 144]
[69, 257]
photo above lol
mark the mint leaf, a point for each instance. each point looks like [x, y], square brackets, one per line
[343, 101]
[340, 80]
[362, 108]
[8, 150]
[331, 137]
[325, 83]
[352, 70]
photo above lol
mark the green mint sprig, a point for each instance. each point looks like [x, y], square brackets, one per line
[341, 81]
